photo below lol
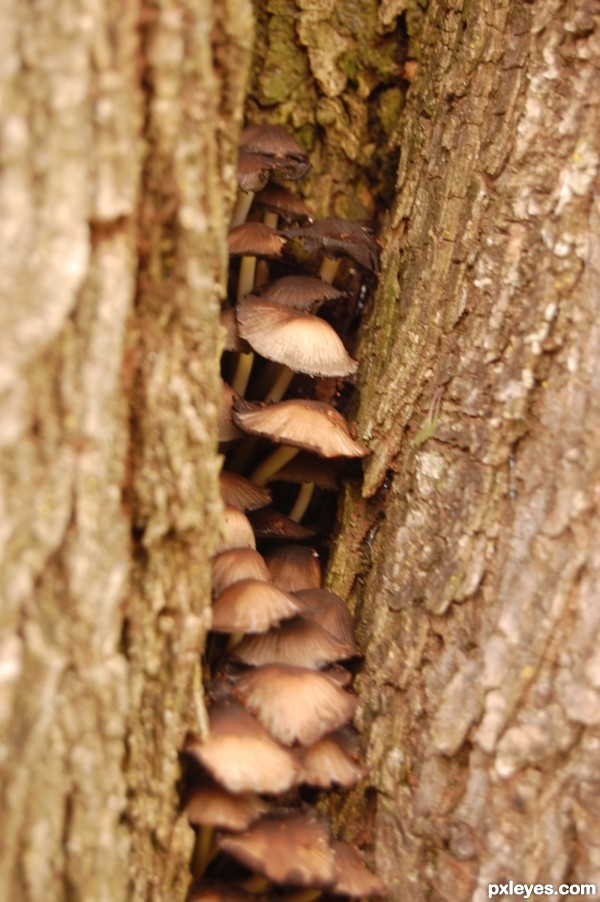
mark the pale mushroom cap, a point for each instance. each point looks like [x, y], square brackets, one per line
[301, 341]
[210, 805]
[310, 425]
[227, 429]
[298, 641]
[233, 342]
[268, 523]
[300, 292]
[326, 764]
[251, 606]
[231, 566]
[238, 491]
[282, 201]
[241, 755]
[295, 704]
[273, 140]
[289, 851]
[294, 567]
[254, 239]
[237, 530]
[329, 611]
[353, 878]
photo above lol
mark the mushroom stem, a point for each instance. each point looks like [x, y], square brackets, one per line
[243, 454]
[243, 369]
[271, 219]
[203, 850]
[234, 639]
[242, 207]
[328, 269]
[272, 464]
[246, 277]
[280, 385]
[302, 501]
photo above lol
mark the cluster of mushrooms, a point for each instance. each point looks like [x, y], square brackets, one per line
[280, 706]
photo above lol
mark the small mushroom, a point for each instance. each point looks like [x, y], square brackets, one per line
[237, 530]
[270, 524]
[292, 850]
[293, 703]
[274, 142]
[298, 641]
[301, 292]
[251, 606]
[353, 878]
[281, 202]
[338, 238]
[231, 566]
[329, 611]
[241, 755]
[206, 804]
[294, 567]
[238, 491]
[326, 764]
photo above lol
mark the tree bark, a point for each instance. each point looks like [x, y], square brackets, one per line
[471, 549]
[118, 139]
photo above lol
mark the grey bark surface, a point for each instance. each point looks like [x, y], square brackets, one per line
[117, 144]
[471, 549]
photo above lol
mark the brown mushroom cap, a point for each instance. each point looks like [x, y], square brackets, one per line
[239, 492]
[274, 142]
[270, 524]
[353, 878]
[254, 239]
[300, 292]
[338, 238]
[241, 755]
[253, 171]
[207, 804]
[305, 467]
[298, 641]
[301, 341]
[309, 425]
[326, 764]
[282, 201]
[237, 530]
[295, 704]
[290, 851]
[251, 606]
[329, 611]
[235, 564]
[294, 567]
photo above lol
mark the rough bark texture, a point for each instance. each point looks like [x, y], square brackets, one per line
[117, 142]
[472, 549]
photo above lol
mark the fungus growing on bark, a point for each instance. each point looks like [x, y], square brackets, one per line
[299, 641]
[241, 755]
[236, 564]
[292, 850]
[326, 764]
[301, 292]
[238, 491]
[294, 567]
[295, 704]
[251, 606]
[237, 530]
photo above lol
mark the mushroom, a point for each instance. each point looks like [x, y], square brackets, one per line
[279, 201]
[241, 755]
[297, 425]
[251, 606]
[295, 704]
[337, 238]
[310, 471]
[292, 850]
[329, 611]
[237, 530]
[231, 566]
[301, 342]
[294, 567]
[238, 491]
[326, 764]
[298, 641]
[353, 878]
[301, 292]
[270, 524]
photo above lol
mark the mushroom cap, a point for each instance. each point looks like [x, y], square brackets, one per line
[300, 292]
[329, 611]
[237, 530]
[301, 341]
[251, 606]
[299, 641]
[282, 201]
[270, 524]
[326, 764]
[238, 491]
[274, 142]
[210, 805]
[306, 467]
[290, 851]
[295, 704]
[353, 878]
[233, 342]
[253, 171]
[254, 239]
[310, 425]
[241, 755]
[227, 429]
[294, 567]
[231, 566]
[338, 238]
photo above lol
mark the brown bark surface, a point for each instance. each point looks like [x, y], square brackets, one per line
[118, 135]
[471, 551]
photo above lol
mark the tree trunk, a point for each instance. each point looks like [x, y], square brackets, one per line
[471, 550]
[118, 139]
